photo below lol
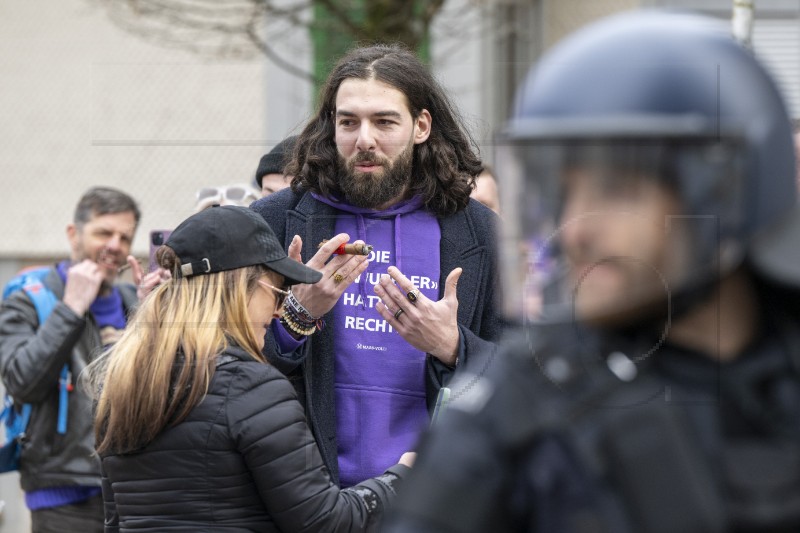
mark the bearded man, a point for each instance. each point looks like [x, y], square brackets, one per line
[387, 165]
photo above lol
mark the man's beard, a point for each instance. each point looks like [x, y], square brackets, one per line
[374, 189]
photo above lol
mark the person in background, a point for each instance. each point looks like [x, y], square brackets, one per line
[239, 194]
[195, 430]
[58, 469]
[485, 190]
[386, 165]
[270, 176]
[659, 388]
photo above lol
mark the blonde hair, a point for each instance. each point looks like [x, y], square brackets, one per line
[163, 364]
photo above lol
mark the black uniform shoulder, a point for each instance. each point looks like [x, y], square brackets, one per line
[534, 383]
[780, 298]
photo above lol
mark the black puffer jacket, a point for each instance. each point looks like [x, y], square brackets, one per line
[243, 460]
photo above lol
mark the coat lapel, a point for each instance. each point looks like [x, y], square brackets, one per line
[313, 221]
[460, 248]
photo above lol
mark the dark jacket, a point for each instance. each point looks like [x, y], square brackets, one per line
[467, 241]
[553, 439]
[243, 460]
[31, 359]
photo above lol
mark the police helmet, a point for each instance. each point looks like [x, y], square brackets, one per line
[636, 100]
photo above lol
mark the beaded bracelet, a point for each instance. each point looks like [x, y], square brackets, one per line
[289, 322]
[297, 318]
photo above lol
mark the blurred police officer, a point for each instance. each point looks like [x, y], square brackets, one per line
[650, 159]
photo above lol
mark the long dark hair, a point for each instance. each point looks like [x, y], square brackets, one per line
[444, 166]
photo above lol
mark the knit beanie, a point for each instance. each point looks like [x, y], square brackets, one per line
[275, 160]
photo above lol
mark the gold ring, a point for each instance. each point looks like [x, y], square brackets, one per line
[338, 278]
[398, 313]
[413, 295]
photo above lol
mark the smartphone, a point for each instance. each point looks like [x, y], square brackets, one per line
[442, 399]
[157, 238]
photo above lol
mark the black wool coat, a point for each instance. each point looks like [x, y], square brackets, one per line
[467, 240]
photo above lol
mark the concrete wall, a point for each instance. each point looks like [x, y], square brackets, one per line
[83, 103]
[86, 104]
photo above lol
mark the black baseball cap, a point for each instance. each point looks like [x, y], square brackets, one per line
[228, 237]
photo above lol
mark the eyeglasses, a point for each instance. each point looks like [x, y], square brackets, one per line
[239, 194]
[282, 294]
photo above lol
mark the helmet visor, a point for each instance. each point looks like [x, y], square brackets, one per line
[609, 231]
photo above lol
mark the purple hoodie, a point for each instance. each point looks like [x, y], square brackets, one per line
[379, 377]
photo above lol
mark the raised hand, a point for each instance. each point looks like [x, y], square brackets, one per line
[337, 274]
[426, 325]
[146, 283]
[83, 284]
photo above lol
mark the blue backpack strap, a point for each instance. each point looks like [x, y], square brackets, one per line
[31, 274]
[64, 388]
[44, 301]
[15, 422]
[43, 298]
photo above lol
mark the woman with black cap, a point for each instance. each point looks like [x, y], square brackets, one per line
[195, 430]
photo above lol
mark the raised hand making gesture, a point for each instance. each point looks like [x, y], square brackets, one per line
[338, 272]
[425, 324]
